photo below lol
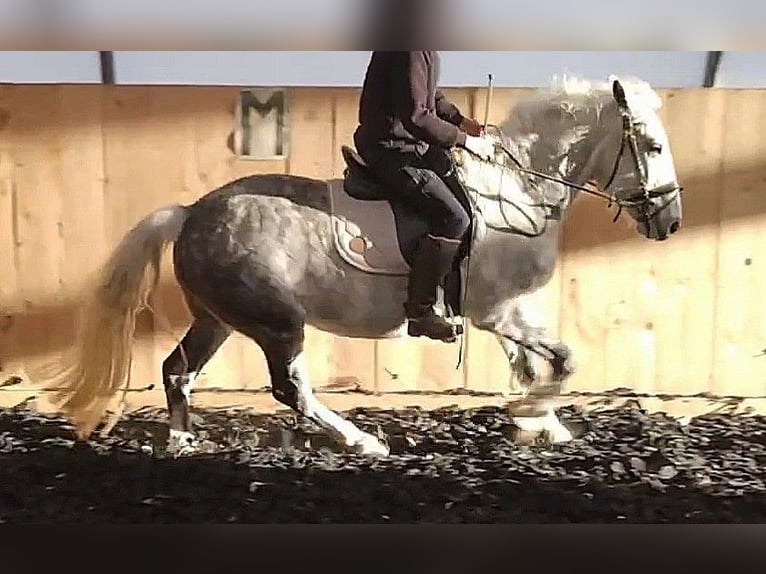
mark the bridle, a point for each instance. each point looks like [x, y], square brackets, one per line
[643, 196]
[639, 201]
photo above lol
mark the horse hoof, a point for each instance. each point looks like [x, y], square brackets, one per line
[559, 434]
[182, 443]
[548, 425]
[368, 445]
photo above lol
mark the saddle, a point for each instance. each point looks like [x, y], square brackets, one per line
[359, 181]
[361, 185]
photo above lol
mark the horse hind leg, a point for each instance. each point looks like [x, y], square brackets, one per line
[264, 309]
[291, 386]
[179, 371]
[283, 348]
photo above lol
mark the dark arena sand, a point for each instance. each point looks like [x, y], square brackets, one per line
[446, 466]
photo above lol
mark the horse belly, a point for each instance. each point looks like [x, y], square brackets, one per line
[346, 301]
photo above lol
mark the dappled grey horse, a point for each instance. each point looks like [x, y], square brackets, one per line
[267, 255]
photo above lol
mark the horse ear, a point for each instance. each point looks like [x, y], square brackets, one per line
[619, 94]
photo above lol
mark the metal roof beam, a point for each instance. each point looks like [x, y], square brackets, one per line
[712, 63]
[107, 67]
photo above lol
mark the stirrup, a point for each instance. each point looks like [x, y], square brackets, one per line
[434, 327]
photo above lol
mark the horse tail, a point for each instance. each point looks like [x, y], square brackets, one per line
[100, 361]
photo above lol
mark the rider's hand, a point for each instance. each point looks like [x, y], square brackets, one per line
[471, 127]
[481, 146]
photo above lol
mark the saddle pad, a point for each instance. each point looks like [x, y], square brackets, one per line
[364, 233]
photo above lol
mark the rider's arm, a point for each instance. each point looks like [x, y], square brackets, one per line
[423, 123]
[446, 110]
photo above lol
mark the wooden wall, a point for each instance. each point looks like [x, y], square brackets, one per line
[80, 165]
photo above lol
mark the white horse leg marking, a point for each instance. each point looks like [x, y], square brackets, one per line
[182, 441]
[526, 327]
[315, 410]
[520, 332]
[184, 383]
[547, 422]
[523, 372]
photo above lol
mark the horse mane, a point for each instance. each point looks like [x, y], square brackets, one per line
[638, 91]
[576, 94]
[539, 130]
[530, 122]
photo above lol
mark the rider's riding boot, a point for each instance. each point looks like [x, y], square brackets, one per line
[432, 262]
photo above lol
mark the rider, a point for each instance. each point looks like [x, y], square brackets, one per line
[406, 128]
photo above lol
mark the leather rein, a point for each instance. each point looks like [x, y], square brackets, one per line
[638, 201]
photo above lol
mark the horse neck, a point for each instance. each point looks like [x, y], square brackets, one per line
[570, 150]
[571, 147]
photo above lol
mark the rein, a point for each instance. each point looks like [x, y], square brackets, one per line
[629, 139]
[638, 201]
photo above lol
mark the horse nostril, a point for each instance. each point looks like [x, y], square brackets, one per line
[675, 226]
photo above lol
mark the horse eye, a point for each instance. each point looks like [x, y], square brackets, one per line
[655, 148]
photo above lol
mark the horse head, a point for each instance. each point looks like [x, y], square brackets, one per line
[643, 173]
[607, 134]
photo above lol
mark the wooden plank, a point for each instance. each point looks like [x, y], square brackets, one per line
[659, 297]
[11, 297]
[634, 303]
[357, 356]
[82, 176]
[211, 162]
[682, 312]
[486, 363]
[740, 319]
[35, 126]
[35, 123]
[607, 272]
[50, 172]
[144, 134]
[314, 145]
[597, 319]
[10, 294]
[412, 364]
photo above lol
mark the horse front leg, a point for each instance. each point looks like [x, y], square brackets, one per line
[523, 326]
[521, 362]
[521, 334]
